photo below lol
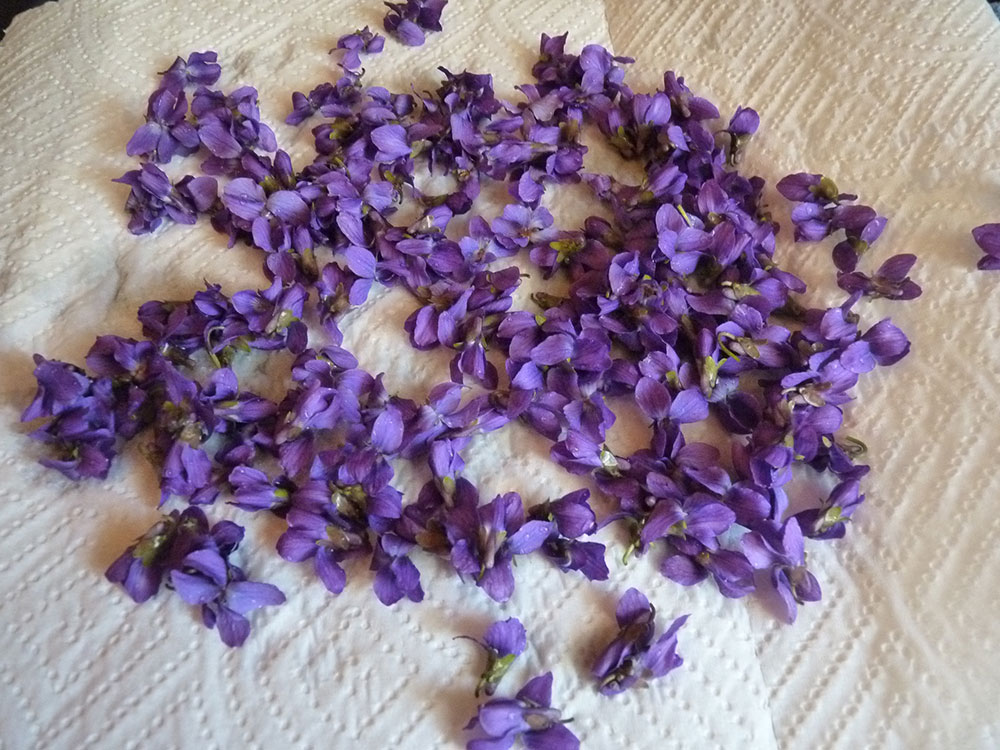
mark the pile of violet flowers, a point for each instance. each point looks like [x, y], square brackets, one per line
[676, 300]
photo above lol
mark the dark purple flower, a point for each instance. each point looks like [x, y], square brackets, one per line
[275, 314]
[254, 490]
[80, 419]
[194, 559]
[200, 69]
[987, 237]
[634, 654]
[153, 197]
[528, 716]
[319, 532]
[692, 563]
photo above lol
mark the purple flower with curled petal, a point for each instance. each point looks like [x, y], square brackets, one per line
[194, 559]
[744, 123]
[503, 642]
[254, 490]
[80, 419]
[485, 539]
[987, 236]
[634, 655]
[520, 226]
[270, 219]
[528, 716]
[141, 567]
[700, 517]
[187, 472]
[229, 125]
[205, 577]
[317, 531]
[275, 314]
[829, 520]
[779, 548]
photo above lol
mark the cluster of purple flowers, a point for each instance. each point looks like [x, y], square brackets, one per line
[676, 303]
[820, 210]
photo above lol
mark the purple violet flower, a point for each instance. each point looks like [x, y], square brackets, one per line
[407, 21]
[779, 549]
[194, 559]
[360, 41]
[528, 716]
[502, 642]
[634, 655]
[987, 237]
[485, 539]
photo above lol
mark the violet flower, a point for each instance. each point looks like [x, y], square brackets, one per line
[987, 237]
[528, 716]
[634, 655]
[153, 197]
[167, 132]
[407, 21]
[396, 577]
[485, 539]
[572, 517]
[360, 41]
[200, 69]
[194, 559]
[779, 549]
[502, 642]
[890, 281]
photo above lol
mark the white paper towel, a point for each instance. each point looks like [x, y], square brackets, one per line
[896, 103]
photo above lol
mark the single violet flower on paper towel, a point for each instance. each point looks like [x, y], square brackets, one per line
[503, 642]
[528, 716]
[633, 654]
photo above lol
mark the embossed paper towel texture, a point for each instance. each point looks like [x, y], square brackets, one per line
[902, 652]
